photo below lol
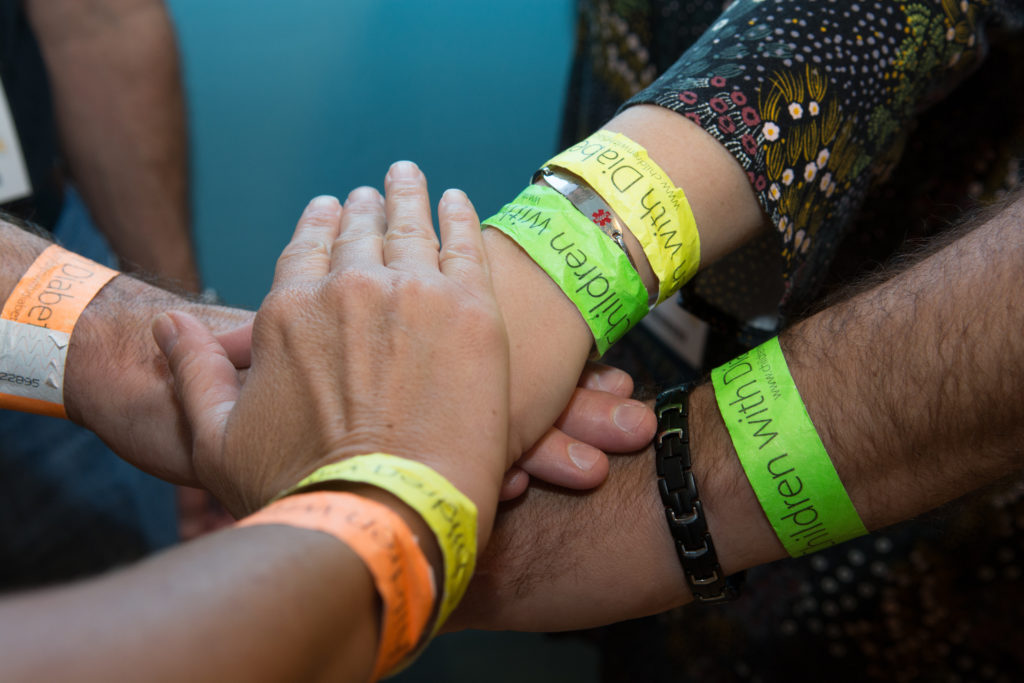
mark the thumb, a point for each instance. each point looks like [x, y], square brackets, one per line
[237, 343]
[204, 378]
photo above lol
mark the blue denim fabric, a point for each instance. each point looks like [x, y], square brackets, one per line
[69, 507]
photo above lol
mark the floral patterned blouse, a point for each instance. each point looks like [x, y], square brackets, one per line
[818, 101]
[863, 126]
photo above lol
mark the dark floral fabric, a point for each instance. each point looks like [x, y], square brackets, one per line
[864, 127]
[818, 102]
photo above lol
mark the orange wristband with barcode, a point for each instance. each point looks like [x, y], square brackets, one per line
[36, 325]
[383, 541]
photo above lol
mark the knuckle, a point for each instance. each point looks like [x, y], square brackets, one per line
[345, 240]
[366, 206]
[357, 286]
[460, 252]
[460, 212]
[303, 247]
[406, 228]
[406, 189]
[320, 216]
[280, 307]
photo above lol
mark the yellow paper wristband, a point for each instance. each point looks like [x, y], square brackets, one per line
[649, 203]
[445, 509]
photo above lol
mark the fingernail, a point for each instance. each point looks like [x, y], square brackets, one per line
[362, 194]
[609, 380]
[165, 332]
[324, 201]
[583, 456]
[628, 416]
[454, 195]
[404, 170]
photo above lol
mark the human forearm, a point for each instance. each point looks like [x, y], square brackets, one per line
[266, 603]
[911, 386]
[116, 382]
[117, 90]
[549, 338]
[910, 383]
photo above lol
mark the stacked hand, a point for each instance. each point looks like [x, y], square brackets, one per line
[376, 338]
[372, 339]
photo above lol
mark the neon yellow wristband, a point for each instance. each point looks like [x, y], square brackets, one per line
[781, 453]
[445, 509]
[591, 269]
[649, 203]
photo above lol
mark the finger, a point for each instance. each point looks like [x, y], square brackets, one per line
[462, 256]
[204, 378]
[237, 343]
[410, 243]
[606, 378]
[514, 484]
[564, 461]
[608, 422]
[361, 239]
[307, 258]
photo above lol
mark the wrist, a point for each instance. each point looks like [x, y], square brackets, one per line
[116, 380]
[743, 537]
[723, 202]
[549, 342]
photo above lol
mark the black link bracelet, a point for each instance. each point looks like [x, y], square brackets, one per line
[683, 508]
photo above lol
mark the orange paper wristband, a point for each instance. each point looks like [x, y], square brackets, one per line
[36, 325]
[383, 541]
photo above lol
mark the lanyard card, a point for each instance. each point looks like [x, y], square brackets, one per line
[14, 182]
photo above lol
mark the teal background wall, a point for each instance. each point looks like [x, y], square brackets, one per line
[290, 100]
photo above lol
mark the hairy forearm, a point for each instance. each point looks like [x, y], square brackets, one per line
[918, 401]
[911, 384]
[114, 69]
[116, 380]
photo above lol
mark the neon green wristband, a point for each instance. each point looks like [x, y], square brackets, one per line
[445, 509]
[779, 448]
[592, 271]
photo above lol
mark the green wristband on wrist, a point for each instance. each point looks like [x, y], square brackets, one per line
[590, 268]
[781, 453]
[445, 509]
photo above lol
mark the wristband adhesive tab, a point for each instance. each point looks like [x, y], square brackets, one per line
[782, 454]
[36, 325]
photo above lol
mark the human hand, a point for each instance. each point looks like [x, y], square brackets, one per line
[600, 418]
[117, 383]
[370, 340]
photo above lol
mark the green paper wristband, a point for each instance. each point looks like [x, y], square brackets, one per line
[779, 448]
[591, 269]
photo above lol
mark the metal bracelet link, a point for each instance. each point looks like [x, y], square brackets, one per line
[683, 508]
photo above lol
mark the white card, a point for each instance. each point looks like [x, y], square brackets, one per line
[14, 182]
